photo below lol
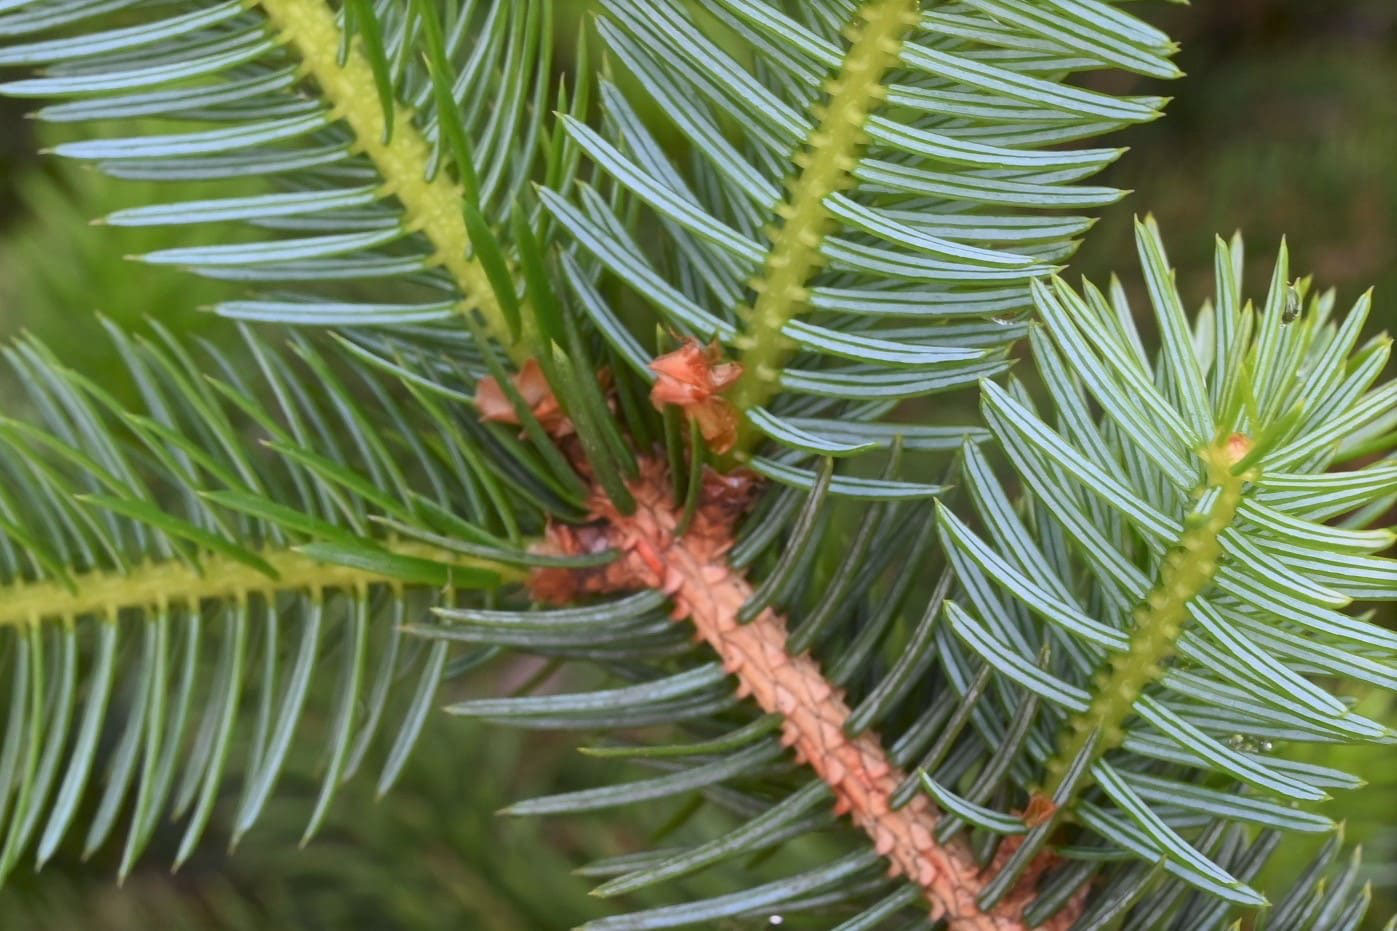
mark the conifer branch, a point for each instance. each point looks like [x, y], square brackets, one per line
[691, 567]
[826, 161]
[1186, 572]
[432, 203]
[216, 577]
[921, 156]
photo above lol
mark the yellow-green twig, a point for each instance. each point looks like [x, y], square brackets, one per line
[431, 206]
[1186, 572]
[218, 577]
[826, 160]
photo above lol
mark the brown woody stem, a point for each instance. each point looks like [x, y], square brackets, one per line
[693, 569]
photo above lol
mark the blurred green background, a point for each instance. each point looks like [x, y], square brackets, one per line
[1285, 124]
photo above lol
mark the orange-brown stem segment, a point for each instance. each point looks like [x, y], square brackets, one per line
[693, 570]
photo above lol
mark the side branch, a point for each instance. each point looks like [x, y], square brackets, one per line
[1187, 571]
[219, 577]
[825, 162]
[693, 570]
[432, 206]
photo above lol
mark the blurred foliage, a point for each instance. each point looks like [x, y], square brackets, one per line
[16, 154]
[60, 268]
[433, 855]
[1285, 125]
[1367, 814]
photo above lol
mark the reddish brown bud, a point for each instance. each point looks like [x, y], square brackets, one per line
[531, 384]
[1040, 809]
[1238, 447]
[693, 377]
[728, 495]
[558, 585]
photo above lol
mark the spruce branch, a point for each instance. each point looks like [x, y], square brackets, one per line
[886, 158]
[215, 577]
[1196, 590]
[825, 161]
[690, 567]
[432, 202]
[1186, 572]
[1093, 706]
[213, 556]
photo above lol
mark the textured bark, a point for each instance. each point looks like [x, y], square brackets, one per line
[694, 572]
